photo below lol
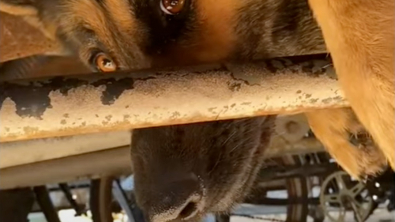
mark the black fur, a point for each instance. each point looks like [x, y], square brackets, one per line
[224, 155]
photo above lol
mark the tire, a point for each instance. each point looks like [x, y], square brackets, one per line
[103, 205]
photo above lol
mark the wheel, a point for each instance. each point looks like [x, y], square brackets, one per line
[107, 198]
[340, 193]
[296, 190]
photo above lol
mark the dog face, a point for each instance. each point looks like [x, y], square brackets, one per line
[111, 35]
[183, 172]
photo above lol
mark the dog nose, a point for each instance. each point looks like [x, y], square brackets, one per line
[176, 200]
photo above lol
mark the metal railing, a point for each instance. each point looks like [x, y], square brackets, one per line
[63, 106]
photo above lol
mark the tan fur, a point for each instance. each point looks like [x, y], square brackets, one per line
[334, 128]
[87, 14]
[90, 15]
[121, 14]
[360, 37]
[17, 10]
[216, 38]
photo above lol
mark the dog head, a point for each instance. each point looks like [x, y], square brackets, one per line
[111, 35]
[183, 172]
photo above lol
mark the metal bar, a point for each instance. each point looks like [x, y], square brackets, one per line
[285, 202]
[79, 209]
[100, 163]
[41, 66]
[38, 150]
[295, 171]
[92, 165]
[122, 200]
[19, 39]
[31, 151]
[46, 205]
[61, 106]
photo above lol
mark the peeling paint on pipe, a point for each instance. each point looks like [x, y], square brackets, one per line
[63, 106]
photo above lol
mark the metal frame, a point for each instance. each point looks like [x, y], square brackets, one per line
[64, 106]
[74, 113]
[92, 165]
[19, 39]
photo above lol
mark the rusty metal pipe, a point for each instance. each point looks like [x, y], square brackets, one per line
[62, 106]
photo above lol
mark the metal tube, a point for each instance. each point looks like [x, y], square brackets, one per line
[91, 165]
[38, 150]
[35, 151]
[106, 162]
[62, 106]
[19, 39]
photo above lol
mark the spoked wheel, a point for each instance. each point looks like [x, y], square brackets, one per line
[340, 195]
[314, 183]
[295, 190]
[107, 198]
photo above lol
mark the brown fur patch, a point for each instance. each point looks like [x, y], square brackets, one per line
[333, 127]
[360, 37]
[87, 14]
[17, 10]
[215, 38]
[114, 31]
[121, 14]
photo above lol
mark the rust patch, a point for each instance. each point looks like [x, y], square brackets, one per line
[327, 100]
[234, 86]
[30, 130]
[212, 109]
[175, 115]
[313, 100]
[338, 98]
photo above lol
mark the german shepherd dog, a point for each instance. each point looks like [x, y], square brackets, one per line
[110, 35]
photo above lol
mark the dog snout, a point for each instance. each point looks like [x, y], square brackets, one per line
[176, 200]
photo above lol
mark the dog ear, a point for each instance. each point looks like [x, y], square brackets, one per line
[19, 7]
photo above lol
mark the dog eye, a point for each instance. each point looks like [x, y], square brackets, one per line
[104, 63]
[172, 7]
